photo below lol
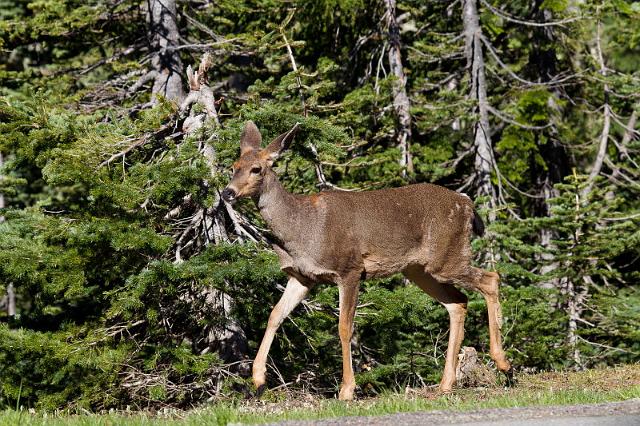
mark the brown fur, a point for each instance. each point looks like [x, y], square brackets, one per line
[421, 230]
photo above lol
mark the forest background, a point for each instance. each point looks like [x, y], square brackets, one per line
[126, 281]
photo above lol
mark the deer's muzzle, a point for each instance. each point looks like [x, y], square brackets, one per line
[228, 194]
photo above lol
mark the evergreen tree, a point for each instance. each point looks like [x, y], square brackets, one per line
[126, 280]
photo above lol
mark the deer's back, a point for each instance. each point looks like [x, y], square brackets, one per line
[390, 229]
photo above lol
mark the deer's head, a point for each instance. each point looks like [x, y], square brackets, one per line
[250, 169]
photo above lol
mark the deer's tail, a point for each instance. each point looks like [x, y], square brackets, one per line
[477, 224]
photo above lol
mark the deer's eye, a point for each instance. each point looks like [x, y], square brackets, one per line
[256, 169]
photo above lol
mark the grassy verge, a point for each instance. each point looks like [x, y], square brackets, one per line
[592, 386]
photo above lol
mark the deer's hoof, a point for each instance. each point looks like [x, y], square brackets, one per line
[510, 378]
[346, 392]
[501, 361]
[259, 379]
[446, 387]
[259, 391]
[446, 391]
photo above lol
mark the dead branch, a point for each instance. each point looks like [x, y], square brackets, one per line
[176, 211]
[141, 141]
[317, 164]
[200, 93]
[552, 82]
[511, 18]
[218, 38]
[146, 78]
[195, 223]
[108, 60]
[293, 63]
[502, 116]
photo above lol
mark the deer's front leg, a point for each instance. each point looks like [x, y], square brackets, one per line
[348, 302]
[293, 294]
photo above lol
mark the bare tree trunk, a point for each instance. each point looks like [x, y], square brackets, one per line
[606, 118]
[577, 295]
[484, 162]
[551, 151]
[574, 307]
[11, 301]
[2, 202]
[230, 340]
[167, 66]
[546, 240]
[10, 298]
[401, 103]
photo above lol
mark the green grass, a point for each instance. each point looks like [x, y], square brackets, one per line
[586, 387]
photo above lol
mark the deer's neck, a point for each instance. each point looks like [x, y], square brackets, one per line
[279, 208]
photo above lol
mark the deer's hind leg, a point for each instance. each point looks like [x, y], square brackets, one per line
[456, 304]
[488, 283]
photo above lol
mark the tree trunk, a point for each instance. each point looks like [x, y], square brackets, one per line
[553, 153]
[11, 301]
[2, 202]
[230, 340]
[577, 295]
[401, 103]
[166, 63]
[606, 117]
[574, 308]
[546, 240]
[484, 162]
[10, 298]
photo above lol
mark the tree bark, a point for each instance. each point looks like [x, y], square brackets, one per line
[2, 201]
[484, 160]
[544, 59]
[606, 118]
[230, 340]
[11, 301]
[401, 103]
[574, 308]
[167, 65]
[546, 240]
[629, 132]
[10, 298]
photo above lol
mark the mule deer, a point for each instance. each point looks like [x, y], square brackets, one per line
[343, 237]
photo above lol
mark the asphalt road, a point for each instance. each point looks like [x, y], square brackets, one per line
[625, 413]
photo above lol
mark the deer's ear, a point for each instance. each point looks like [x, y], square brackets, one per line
[251, 138]
[282, 142]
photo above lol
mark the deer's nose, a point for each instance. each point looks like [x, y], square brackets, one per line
[228, 194]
